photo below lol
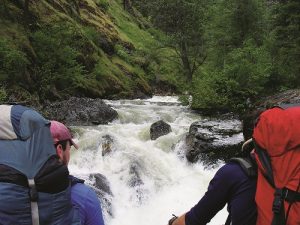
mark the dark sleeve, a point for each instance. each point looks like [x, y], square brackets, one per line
[216, 197]
[93, 209]
[86, 200]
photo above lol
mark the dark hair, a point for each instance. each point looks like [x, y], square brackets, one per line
[63, 144]
[246, 150]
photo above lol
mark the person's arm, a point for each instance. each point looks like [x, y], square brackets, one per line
[180, 220]
[216, 197]
[93, 209]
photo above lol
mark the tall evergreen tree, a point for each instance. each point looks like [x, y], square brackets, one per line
[233, 23]
[238, 63]
[285, 44]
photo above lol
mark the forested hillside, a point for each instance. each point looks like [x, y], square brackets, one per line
[50, 50]
[225, 53]
[232, 51]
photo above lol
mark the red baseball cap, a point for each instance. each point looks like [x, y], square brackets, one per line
[60, 132]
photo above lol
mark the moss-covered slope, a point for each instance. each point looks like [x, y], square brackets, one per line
[51, 49]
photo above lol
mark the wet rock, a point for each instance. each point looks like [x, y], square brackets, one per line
[101, 183]
[106, 144]
[162, 87]
[102, 188]
[140, 94]
[80, 111]
[135, 179]
[158, 129]
[136, 183]
[212, 139]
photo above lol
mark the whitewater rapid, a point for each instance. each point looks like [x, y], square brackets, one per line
[167, 183]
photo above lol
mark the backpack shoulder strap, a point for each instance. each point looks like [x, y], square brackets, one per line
[247, 165]
[266, 163]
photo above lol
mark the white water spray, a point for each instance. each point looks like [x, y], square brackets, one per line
[150, 179]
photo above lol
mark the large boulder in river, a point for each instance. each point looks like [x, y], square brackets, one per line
[212, 139]
[102, 188]
[80, 111]
[249, 118]
[158, 129]
[100, 184]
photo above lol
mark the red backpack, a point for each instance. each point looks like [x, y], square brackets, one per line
[276, 139]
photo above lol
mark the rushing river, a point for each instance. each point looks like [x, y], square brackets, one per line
[164, 182]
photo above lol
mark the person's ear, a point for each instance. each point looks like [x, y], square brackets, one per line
[59, 151]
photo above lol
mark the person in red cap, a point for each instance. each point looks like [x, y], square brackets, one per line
[62, 141]
[82, 196]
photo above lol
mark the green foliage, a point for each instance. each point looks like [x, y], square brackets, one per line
[104, 4]
[232, 23]
[91, 33]
[56, 63]
[183, 21]
[239, 63]
[207, 92]
[245, 21]
[13, 63]
[243, 78]
[10, 10]
[122, 52]
[3, 94]
[285, 45]
[232, 51]
[144, 6]
[4, 9]
[70, 55]
[177, 17]
[146, 50]
[101, 71]
[249, 67]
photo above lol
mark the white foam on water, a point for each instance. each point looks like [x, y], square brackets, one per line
[166, 183]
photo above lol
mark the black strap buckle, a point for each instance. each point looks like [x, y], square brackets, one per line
[291, 196]
[279, 196]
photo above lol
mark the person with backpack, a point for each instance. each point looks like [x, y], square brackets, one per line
[82, 196]
[233, 184]
[276, 139]
[34, 185]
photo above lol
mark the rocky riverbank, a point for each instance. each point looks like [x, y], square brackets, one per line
[210, 139]
[220, 138]
[80, 111]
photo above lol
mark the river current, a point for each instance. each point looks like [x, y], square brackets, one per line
[150, 179]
